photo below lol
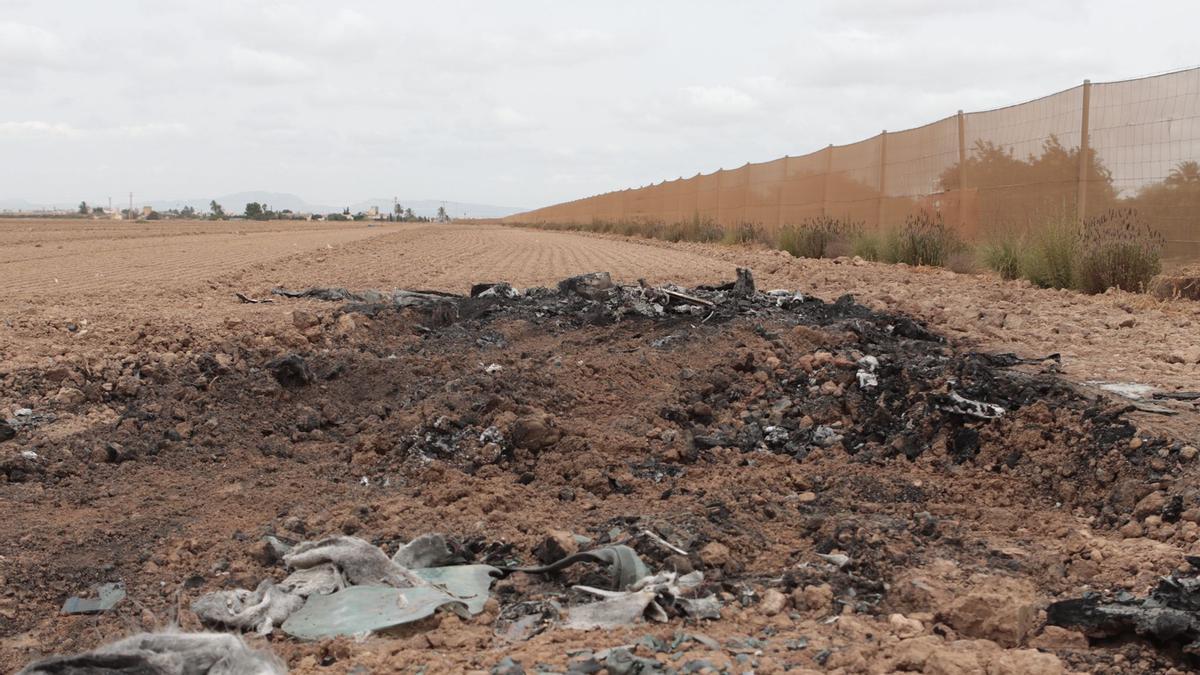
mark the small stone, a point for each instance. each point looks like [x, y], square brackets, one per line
[303, 320]
[1131, 530]
[773, 602]
[715, 554]
[534, 432]
[904, 626]
[69, 396]
[1135, 443]
[345, 325]
[556, 545]
[1152, 503]
[996, 608]
[813, 598]
[806, 497]
[1054, 638]
[1188, 452]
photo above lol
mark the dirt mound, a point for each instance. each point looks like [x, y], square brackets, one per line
[858, 491]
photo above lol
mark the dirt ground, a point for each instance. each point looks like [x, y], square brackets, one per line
[168, 449]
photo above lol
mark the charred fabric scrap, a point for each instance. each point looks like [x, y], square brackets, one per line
[910, 386]
[1170, 615]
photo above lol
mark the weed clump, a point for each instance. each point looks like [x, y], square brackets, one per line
[819, 237]
[923, 240]
[1117, 250]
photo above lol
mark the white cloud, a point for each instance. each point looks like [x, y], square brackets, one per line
[24, 45]
[509, 118]
[720, 100]
[36, 129]
[262, 67]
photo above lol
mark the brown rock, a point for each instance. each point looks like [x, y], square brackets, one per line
[1024, 662]
[69, 396]
[1131, 530]
[556, 545]
[534, 432]
[773, 602]
[1188, 452]
[716, 554]
[1151, 504]
[345, 325]
[813, 598]
[904, 626]
[303, 320]
[1055, 638]
[997, 608]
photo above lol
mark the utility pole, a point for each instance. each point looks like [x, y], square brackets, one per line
[131, 206]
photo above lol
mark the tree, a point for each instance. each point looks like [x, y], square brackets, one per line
[408, 214]
[188, 212]
[254, 211]
[83, 208]
[216, 209]
[441, 215]
[1034, 188]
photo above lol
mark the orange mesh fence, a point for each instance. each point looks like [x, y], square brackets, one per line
[1134, 143]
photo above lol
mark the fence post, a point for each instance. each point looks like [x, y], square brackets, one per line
[1081, 198]
[882, 174]
[962, 173]
[828, 174]
[779, 197]
[719, 172]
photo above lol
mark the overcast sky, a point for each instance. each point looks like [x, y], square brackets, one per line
[515, 103]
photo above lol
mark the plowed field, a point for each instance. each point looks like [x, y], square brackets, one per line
[844, 525]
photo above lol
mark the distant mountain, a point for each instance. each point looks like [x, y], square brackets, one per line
[277, 201]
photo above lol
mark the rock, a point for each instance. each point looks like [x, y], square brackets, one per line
[716, 554]
[1024, 662]
[556, 545]
[534, 432]
[813, 598]
[345, 325]
[1131, 530]
[1188, 453]
[69, 396]
[807, 497]
[1187, 356]
[291, 371]
[904, 626]
[1151, 504]
[773, 602]
[6, 431]
[303, 320]
[1054, 638]
[997, 608]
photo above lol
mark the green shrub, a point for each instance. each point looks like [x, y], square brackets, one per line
[924, 240]
[1002, 254]
[1117, 250]
[868, 245]
[1049, 252]
[746, 233]
[820, 237]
